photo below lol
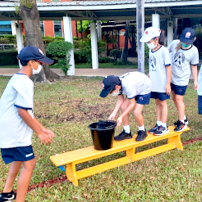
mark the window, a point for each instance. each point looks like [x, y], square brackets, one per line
[57, 28]
[42, 27]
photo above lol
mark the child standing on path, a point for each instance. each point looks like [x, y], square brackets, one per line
[133, 90]
[17, 122]
[183, 56]
[160, 75]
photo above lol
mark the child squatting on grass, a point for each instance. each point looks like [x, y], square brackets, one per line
[17, 122]
[133, 90]
[160, 75]
[183, 55]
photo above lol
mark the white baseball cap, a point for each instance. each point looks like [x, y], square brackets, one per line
[150, 33]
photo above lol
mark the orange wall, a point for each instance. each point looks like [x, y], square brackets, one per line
[48, 28]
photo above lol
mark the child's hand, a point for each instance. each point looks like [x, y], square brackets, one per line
[51, 134]
[195, 85]
[112, 116]
[119, 121]
[168, 89]
[46, 137]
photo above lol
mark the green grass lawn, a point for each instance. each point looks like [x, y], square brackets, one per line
[67, 107]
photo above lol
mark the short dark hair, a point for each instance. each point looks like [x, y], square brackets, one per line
[23, 63]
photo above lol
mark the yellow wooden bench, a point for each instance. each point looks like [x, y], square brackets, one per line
[72, 158]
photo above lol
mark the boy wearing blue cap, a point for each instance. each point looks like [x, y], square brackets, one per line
[133, 90]
[184, 57]
[17, 122]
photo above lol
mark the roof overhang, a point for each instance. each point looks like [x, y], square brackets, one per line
[107, 10]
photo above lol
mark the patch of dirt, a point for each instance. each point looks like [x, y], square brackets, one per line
[77, 110]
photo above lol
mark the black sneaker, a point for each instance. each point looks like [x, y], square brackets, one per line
[7, 196]
[122, 136]
[178, 121]
[151, 131]
[141, 135]
[161, 130]
[181, 126]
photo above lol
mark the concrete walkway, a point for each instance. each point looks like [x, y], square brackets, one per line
[78, 72]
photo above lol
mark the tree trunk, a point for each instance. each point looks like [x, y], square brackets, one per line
[33, 36]
[125, 51]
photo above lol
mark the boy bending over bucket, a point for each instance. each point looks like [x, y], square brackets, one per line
[17, 122]
[133, 90]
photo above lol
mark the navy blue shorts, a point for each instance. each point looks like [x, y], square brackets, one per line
[143, 99]
[17, 154]
[160, 96]
[178, 90]
[199, 104]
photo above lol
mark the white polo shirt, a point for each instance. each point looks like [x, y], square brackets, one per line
[135, 83]
[181, 62]
[158, 60]
[14, 132]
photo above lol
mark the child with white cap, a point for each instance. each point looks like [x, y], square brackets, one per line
[183, 56]
[160, 75]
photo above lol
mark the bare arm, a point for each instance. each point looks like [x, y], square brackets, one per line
[194, 72]
[44, 136]
[117, 107]
[127, 111]
[169, 74]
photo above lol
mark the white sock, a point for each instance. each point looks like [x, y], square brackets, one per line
[164, 124]
[185, 117]
[141, 127]
[159, 123]
[182, 121]
[127, 128]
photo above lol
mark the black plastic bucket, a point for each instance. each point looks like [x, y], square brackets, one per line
[103, 134]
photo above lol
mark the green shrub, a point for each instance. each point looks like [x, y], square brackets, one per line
[105, 60]
[79, 57]
[85, 47]
[59, 51]
[8, 57]
[115, 53]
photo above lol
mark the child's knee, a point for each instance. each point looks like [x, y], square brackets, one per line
[137, 113]
[30, 165]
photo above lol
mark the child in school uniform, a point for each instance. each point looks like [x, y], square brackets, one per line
[183, 56]
[133, 90]
[17, 122]
[160, 75]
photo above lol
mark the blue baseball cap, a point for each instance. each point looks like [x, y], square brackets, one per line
[109, 83]
[187, 35]
[32, 53]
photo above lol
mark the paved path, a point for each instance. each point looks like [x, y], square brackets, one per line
[78, 72]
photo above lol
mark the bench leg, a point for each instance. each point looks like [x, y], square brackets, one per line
[71, 173]
[177, 141]
[130, 153]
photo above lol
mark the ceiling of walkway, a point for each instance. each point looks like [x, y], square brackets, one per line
[106, 10]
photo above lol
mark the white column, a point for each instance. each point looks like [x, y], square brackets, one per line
[99, 30]
[156, 20]
[169, 32]
[13, 27]
[68, 37]
[19, 39]
[94, 48]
